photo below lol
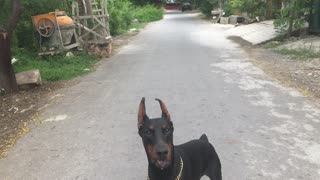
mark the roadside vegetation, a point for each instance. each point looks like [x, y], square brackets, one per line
[18, 109]
[301, 53]
[124, 14]
[54, 68]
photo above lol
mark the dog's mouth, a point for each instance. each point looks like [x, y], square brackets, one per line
[162, 164]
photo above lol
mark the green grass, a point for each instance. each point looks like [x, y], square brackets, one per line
[148, 13]
[54, 68]
[272, 44]
[301, 54]
[137, 25]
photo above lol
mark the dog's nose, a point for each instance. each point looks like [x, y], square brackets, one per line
[162, 153]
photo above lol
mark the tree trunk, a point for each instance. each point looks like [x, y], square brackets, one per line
[292, 16]
[7, 75]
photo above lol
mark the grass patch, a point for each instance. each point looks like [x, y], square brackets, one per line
[302, 54]
[272, 44]
[137, 25]
[54, 68]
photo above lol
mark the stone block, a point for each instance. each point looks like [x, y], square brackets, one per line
[28, 79]
[224, 20]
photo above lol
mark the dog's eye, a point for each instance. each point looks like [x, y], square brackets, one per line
[147, 132]
[166, 130]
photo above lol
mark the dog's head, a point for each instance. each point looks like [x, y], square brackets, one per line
[157, 136]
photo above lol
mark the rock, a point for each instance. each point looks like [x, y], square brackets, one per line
[299, 72]
[69, 54]
[14, 60]
[28, 79]
[135, 21]
[133, 30]
[224, 20]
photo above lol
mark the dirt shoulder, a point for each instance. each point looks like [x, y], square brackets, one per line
[19, 111]
[303, 75]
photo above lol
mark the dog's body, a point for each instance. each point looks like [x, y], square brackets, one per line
[189, 161]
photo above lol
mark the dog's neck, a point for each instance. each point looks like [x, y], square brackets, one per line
[169, 173]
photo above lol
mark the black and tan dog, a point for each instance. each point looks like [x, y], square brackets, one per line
[189, 161]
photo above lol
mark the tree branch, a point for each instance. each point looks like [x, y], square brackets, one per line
[17, 10]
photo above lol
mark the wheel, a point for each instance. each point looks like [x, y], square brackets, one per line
[45, 27]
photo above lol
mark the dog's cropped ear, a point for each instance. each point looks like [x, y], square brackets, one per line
[165, 112]
[142, 115]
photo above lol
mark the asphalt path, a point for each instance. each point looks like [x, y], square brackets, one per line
[260, 128]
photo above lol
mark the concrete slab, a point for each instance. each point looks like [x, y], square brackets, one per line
[256, 33]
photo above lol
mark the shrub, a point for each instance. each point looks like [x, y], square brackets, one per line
[252, 7]
[206, 6]
[148, 13]
[293, 17]
[121, 15]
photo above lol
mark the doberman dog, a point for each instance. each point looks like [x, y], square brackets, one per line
[189, 161]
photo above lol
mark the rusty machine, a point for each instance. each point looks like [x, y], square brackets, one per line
[88, 28]
[56, 32]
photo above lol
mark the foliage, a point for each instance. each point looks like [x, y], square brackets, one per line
[252, 7]
[24, 34]
[121, 15]
[146, 2]
[4, 11]
[228, 9]
[292, 17]
[148, 13]
[206, 6]
[122, 12]
[53, 68]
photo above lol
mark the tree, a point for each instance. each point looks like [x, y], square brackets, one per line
[7, 76]
[293, 16]
[206, 6]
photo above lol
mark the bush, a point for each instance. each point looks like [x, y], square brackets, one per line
[206, 6]
[121, 15]
[122, 12]
[293, 17]
[252, 7]
[148, 13]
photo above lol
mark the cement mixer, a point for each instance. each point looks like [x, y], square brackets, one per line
[56, 32]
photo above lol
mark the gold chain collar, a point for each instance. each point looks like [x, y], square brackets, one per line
[180, 172]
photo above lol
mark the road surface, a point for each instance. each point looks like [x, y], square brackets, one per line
[260, 128]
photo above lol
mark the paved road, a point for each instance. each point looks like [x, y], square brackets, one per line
[261, 129]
